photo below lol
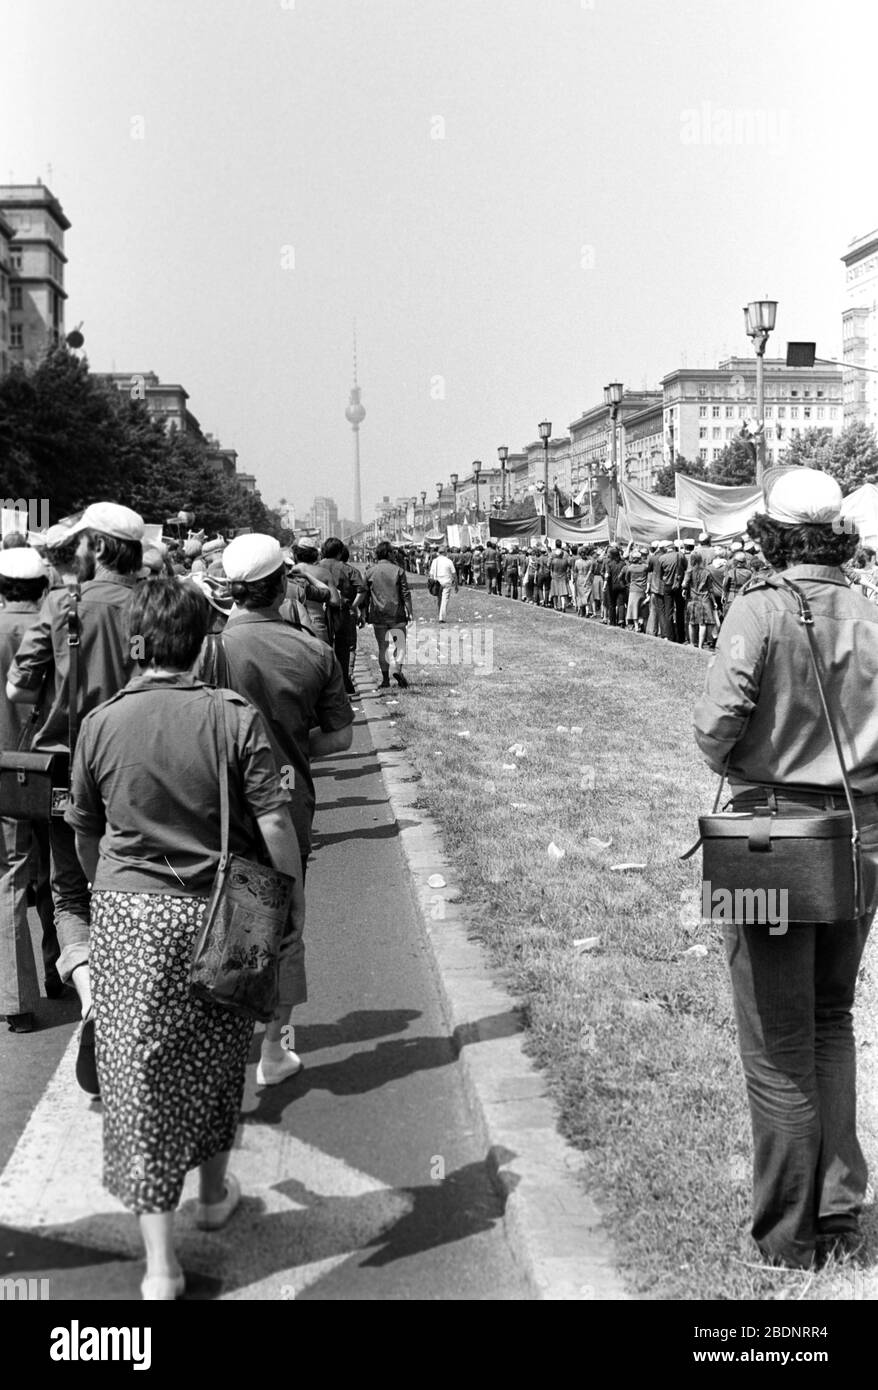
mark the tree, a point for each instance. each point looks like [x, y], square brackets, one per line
[736, 464]
[854, 458]
[664, 478]
[810, 449]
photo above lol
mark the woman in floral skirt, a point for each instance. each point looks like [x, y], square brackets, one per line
[145, 806]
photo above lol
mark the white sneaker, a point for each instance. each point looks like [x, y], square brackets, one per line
[270, 1073]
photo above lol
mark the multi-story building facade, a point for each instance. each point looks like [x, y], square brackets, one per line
[166, 402]
[490, 487]
[325, 516]
[705, 408]
[859, 323]
[641, 445]
[6, 236]
[36, 270]
[591, 443]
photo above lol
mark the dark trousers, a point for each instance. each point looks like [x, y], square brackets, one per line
[793, 996]
[679, 606]
[664, 604]
[512, 584]
[342, 642]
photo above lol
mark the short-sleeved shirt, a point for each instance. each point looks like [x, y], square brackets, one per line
[146, 779]
[15, 619]
[296, 683]
[105, 663]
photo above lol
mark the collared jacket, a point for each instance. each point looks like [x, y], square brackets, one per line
[761, 707]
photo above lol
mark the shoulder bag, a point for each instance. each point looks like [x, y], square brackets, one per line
[36, 786]
[813, 857]
[236, 961]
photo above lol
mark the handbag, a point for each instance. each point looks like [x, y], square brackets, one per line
[36, 786]
[236, 960]
[434, 587]
[761, 866]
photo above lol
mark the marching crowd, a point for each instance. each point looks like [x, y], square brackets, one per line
[679, 590]
[169, 698]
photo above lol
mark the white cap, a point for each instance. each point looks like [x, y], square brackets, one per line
[736, 545]
[110, 520]
[804, 496]
[704, 536]
[249, 558]
[22, 562]
[211, 547]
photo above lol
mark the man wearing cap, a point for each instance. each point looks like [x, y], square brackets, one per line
[23, 582]
[761, 718]
[108, 558]
[736, 574]
[295, 681]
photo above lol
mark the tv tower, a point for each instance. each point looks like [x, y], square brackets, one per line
[356, 414]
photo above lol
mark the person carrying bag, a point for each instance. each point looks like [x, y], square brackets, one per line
[788, 712]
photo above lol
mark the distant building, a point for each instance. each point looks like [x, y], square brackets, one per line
[34, 272]
[222, 460]
[247, 481]
[6, 237]
[325, 516]
[164, 401]
[705, 408]
[591, 444]
[860, 330]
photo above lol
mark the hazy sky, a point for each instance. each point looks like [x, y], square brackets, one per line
[244, 177]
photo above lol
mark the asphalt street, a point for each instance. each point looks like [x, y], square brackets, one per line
[362, 1176]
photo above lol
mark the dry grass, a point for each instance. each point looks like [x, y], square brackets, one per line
[637, 1038]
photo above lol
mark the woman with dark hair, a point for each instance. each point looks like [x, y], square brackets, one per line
[559, 568]
[145, 806]
[761, 720]
[701, 593]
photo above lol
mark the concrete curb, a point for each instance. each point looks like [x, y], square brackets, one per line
[553, 1227]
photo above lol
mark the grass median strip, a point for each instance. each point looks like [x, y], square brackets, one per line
[564, 776]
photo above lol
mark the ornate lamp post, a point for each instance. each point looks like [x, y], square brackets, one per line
[477, 468]
[454, 484]
[424, 511]
[613, 399]
[439, 509]
[759, 320]
[545, 436]
[503, 454]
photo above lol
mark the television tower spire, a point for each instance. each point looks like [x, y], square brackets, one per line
[356, 414]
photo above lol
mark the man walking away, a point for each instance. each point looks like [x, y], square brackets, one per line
[387, 605]
[443, 573]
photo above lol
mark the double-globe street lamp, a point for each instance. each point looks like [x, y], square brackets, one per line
[759, 320]
[613, 399]
[439, 507]
[424, 511]
[477, 468]
[455, 480]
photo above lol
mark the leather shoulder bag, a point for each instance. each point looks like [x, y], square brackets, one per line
[763, 867]
[36, 786]
[236, 961]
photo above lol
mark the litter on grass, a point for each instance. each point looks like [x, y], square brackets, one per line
[517, 750]
[599, 844]
[555, 851]
[435, 881]
[696, 951]
[622, 868]
[587, 943]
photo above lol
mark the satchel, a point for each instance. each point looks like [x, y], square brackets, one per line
[434, 587]
[236, 961]
[36, 786]
[762, 867]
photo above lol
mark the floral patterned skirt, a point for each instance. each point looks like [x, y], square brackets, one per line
[171, 1067]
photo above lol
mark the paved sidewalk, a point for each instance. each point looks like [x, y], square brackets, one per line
[364, 1178]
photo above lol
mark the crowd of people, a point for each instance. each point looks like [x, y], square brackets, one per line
[679, 590]
[127, 668]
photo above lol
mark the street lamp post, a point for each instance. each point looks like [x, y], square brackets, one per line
[759, 320]
[477, 468]
[545, 436]
[439, 509]
[503, 454]
[613, 399]
[424, 511]
[454, 483]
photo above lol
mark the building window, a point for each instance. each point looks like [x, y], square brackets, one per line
[702, 433]
[730, 434]
[730, 412]
[714, 410]
[15, 296]
[716, 432]
[819, 394]
[702, 455]
[820, 412]
[702, 392]
[15, 257]
[769, 412]
[806, 393]
[833, 412]
[794, 393]
[794, 412]
[781, 412]
[716, 453]
[702, 412]
[806, 412]
[15, 336]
